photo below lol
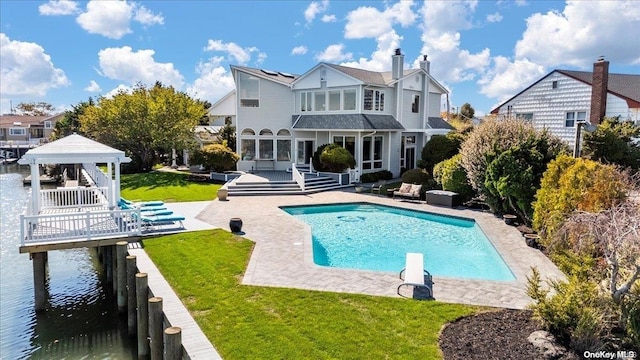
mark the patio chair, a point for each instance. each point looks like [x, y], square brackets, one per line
[140, 203]
[377, 187]
[410, 191]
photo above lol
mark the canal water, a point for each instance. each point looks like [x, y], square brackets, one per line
[81, 319]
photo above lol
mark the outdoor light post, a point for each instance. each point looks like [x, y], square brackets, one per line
[579, 125]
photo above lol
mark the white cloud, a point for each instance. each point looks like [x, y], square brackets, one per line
[112, 18]
[369, 22]
[299, 50]
[493, 18]
[329, 18]
[119, 89]
[333, 53]
[146, 17]
[381, 58]
[580, 33]
[130, 66]
[507, 78]
[58, 7]
[214, 81]
[314, 9]
[93, 87]
[239, 54]
[27, 70]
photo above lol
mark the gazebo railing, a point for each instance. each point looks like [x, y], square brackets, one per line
[73, 226]
[75, 197]
[99, 178]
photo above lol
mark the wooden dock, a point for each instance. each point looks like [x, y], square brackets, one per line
[44, 179]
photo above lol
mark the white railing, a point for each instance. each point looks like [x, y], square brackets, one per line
[86, 225]
[100, 178]
[297, 176]
[29, 143]
[76, 197]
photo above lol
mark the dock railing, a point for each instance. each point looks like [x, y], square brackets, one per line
[87, 225]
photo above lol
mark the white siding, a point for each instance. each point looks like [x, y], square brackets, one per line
[332, 77]
[619, 107]
[411, 120]
[434, 104]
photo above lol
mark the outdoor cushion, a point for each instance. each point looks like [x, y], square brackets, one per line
[415, 190]
[405, 188]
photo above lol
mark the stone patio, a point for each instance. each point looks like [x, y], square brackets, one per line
[282, 256]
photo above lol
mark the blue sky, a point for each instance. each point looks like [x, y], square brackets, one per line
[63, 52]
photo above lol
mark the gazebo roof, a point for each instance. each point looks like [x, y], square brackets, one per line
[73, 149]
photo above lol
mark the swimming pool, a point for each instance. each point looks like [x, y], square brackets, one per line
[376, 237]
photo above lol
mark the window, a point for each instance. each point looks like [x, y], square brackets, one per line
[554, 85]
[284, 150]
[573, 116]
[334, 100]
[17, 132]
[305, 101]
[347, 142]
[319, 98]
[247, 149]
[415, 106]
[36, 133]
[266, 132]
[373, 100]
[372, 152]
[266, 149]
[248, 132]
[249, 90]
[528, 117]
[349, 99]
[47, 124]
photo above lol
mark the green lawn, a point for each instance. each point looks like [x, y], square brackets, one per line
[252, 322]
[165, 186]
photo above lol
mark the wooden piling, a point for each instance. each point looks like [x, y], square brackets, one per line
[114, 266]
[156, 327]
[121, 251]
[108, 264]
[142, 297]
[39, 279]
[132, 269]
[173, 343]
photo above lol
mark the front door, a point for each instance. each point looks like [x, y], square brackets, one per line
[304, 152]
[409, 157]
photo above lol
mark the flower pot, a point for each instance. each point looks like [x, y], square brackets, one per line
[359, 189]
[222, 194]
[235, 225]
[532, 240]
[509, 219]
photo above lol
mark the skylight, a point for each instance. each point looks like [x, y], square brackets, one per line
[269, 72]
[286, 74]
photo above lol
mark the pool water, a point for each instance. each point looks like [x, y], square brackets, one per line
[375, 237]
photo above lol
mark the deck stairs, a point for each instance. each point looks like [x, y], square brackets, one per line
[313, 184]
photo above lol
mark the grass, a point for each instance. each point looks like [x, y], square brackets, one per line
[165, 186]
[252, 322]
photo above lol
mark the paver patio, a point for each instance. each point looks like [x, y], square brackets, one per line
[283, 257]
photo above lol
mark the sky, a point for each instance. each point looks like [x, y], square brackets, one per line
[483, 52]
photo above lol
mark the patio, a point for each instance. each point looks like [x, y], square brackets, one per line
[282, 256]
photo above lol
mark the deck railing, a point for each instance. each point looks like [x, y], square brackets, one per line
[62, 198]
[87, 225]
[100, 178]
[297, 176]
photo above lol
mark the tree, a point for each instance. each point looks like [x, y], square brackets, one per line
[466, 111]
[70, 123]
[228, 134]
[613, 142]
[335, 158]
[440, 148]
[204, 120]
[146, 123]
[451, 175]
[35, 109]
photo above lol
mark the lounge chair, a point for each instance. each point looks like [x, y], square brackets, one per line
[144, 209]
[140, 203]
[406, 190]
[155, 220]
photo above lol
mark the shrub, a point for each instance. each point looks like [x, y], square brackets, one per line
[216, 157]
[571, 184]
[440, 148]
[315, 160]
[335, 158]
[613, 142]
[452, 177]
[375, 176]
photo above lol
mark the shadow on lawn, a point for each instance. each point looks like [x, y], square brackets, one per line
[153, 179]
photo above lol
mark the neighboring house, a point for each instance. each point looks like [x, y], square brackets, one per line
[27, 130]
[383, 118]
[564, 98]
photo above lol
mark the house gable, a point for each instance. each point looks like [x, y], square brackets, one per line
[324, 73]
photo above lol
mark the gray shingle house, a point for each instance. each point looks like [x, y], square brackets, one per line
[563, 98]
[383, 118]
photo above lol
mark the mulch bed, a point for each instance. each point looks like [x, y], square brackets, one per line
[492, 335]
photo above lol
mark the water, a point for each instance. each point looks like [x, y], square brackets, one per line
[80, 320]
[373, 237]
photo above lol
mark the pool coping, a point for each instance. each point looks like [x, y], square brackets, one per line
[282, 255]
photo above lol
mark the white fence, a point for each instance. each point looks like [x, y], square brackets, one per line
[100, 178]
[62, 198]
[297, 176]
[86, 225]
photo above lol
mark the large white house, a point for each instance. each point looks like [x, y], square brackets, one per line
[383, 118]
[562, 99]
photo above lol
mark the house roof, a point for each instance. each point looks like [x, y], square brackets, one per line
[346, 122]
[73, 149]
[277, 76]
[626, 86]
[439, 123]
[25, 121]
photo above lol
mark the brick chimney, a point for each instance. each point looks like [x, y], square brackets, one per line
[599, 90]
[397, 64]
